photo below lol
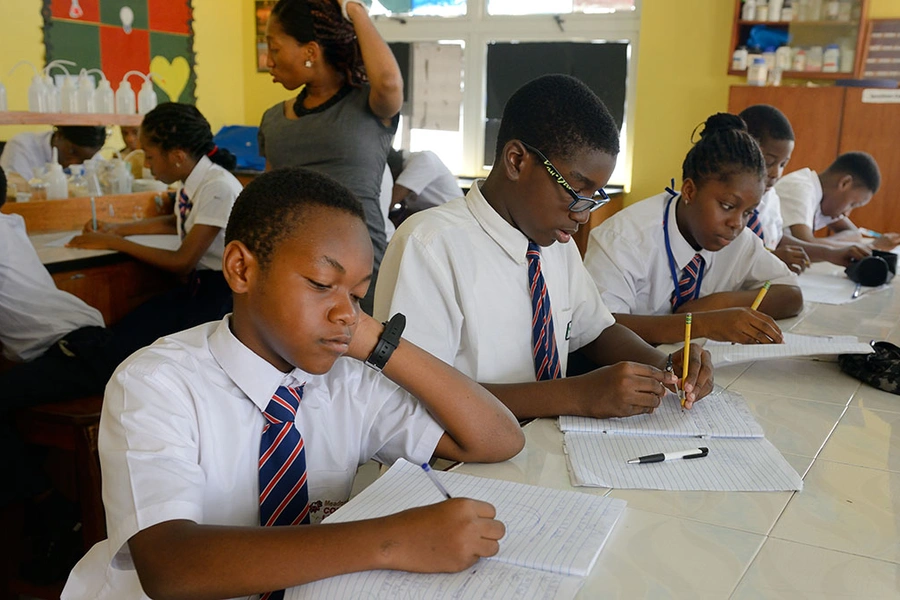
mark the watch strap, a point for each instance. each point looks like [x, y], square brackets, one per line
[388, 342]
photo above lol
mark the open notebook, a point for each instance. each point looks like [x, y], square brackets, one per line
[726, 353]
[553, 537]
[722, 413]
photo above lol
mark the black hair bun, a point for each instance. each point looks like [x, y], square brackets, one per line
[721, 122]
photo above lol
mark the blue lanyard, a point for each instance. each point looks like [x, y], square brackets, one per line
[672, 267]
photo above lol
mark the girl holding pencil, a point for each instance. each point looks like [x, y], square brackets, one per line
[690, 251]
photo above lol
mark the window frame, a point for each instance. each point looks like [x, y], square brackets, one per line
[477, 28]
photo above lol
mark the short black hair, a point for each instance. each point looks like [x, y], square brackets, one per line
[767, 122]
[859, 165]
[2, 186]
[725, 148]
[559, 115]
[84, 136]
[174, 125]
[272, 207]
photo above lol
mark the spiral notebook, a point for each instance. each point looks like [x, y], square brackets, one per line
[553, 538]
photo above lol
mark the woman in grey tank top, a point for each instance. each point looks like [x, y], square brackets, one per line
[343, 121]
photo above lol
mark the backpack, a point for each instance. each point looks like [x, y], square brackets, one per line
[880, 369]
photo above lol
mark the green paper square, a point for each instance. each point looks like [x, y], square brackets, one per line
[78, 42]
[109, 12]
[169, 46]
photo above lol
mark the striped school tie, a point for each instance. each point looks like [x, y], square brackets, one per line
[546, 357]
[184, 209]
[283, 489]
[687, 285]
[755, 225]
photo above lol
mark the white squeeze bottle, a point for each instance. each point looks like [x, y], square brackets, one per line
[57, 186]
[54, 104]
[147, 99]
[104, 99]
[37, 94]
[126, 101]
[68, 95]
[85, 94]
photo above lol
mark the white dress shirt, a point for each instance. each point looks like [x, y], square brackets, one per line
[34, 313]
[459, 274]
[627, 258]
[212, 190]
[426, 175]
[180, 436]
[801, 200]
[27, 152]
[770, 217]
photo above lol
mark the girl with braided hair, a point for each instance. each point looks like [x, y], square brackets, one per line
[691, 251]
[342, 122]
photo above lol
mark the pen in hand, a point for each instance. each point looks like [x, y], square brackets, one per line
[685, 454]
[760, 295]
[685, 357]
[435, 481]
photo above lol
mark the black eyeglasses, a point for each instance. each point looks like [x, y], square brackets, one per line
[579, 203]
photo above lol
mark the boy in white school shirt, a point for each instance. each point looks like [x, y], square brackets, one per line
[467, 270]
[191, 425]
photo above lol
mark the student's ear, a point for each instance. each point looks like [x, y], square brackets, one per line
[513, 158]
[688, 189]
[845, 182]
[312, 51]
[239, 266]
[178, 156]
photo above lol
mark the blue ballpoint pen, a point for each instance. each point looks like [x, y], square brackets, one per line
[435, 481]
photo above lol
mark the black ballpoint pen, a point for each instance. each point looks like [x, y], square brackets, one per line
[685, 454]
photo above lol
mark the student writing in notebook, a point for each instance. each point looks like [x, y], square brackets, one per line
[812, 201]
[213, 437]
[499, 291]
[692, 252]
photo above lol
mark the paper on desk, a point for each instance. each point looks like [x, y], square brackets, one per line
[726, 353]
[831, 288]
[733, 465]
[722, 413]
[61, 241]
[166, 242]
[553, 537]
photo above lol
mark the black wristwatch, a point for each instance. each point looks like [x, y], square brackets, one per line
[388, 342]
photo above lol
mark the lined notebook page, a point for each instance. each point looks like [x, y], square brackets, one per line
[724, 353]
[722, 413]
[486, 579]
[831, 288]
[747, 465]
[546, 529]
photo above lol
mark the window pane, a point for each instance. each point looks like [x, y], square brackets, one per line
[441, 8]
[556, 7]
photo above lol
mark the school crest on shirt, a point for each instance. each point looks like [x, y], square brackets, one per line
[320, 509]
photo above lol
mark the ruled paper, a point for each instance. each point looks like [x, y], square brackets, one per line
[722, 413]
[831, 288]
[748, 465]
[726, 353]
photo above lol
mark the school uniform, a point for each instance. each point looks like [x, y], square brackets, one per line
[34, 313]
[770, 218]
[627, 257]
[459, 273]
[426, 175]
[26, 153]
[801, 200]
[180, 439]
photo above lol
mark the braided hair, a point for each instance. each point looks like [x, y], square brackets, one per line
[725, 148]
[173, 125]
[321, 21]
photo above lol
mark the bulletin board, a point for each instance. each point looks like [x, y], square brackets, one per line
[881, 51]
[118, 36]
[263, 8]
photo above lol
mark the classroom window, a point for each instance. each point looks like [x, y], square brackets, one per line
[556, 7]
[458, 114]
[437, 8]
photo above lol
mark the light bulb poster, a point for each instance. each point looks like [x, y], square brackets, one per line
[118, 36]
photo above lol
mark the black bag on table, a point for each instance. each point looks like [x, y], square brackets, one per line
[880, 370]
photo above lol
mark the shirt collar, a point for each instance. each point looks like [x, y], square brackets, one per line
[513, 241]
[254, 375]
[817, 186]
[197, 175]
[682, 251]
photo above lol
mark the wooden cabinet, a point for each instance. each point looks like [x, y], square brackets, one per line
[833, 120]
[806, 30]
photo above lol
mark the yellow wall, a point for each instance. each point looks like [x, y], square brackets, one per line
[259, 92]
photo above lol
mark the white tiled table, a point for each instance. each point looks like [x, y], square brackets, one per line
[838, 538]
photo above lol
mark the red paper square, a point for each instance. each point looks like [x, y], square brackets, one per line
[91, 9]
[121, 52]
[169, 16]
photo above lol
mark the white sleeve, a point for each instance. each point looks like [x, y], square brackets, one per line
[17, 158]
[615, 269]
[213, 202]
[420, 170]
[796, 197]
[415, 282]
[762, 266]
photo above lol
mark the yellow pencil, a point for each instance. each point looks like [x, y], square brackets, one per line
[685, 358]
[760, 295]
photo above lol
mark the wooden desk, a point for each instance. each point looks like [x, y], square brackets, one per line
[838, 538]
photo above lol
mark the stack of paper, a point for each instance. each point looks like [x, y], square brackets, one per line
[724, 353]
[831, 288]
[553, 537]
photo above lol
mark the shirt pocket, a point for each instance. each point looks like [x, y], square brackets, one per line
[562, 328]
[328, 491]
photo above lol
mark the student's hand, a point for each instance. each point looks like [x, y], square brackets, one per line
[365, 337]
[741, 325]
[699, 380]
[622, 390]
[843, 256]
[94, 241]
[887, 241]
[102, 227]
[794, 257]
[444, 538]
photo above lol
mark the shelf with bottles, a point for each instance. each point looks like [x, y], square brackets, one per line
[813, 35]
[21, 117]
